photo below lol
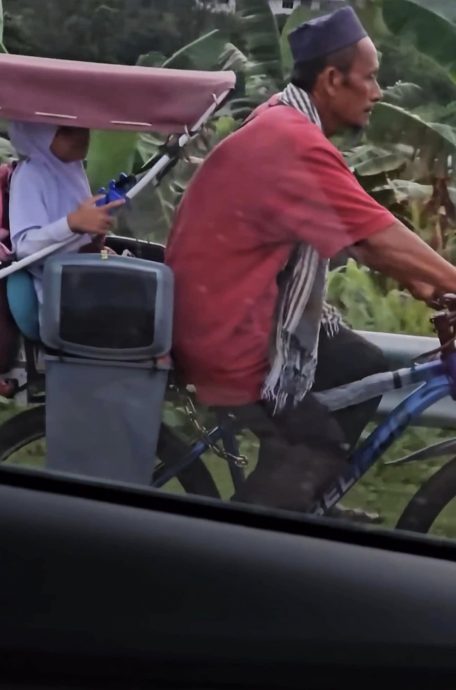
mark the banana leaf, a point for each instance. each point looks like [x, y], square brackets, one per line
[369, 160]
[232, 58]
[202, 54]
[262, 38]
[404, 94]
[446, 8]
[110, 153]
[428, 30]
[299, 15]
[391, 124]
[152, 59]
[414, 191]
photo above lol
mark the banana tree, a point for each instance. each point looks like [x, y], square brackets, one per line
[269, 60]
[427, 25]
[403, 140]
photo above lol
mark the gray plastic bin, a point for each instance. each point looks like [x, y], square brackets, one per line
[86, 298]
[103, 418]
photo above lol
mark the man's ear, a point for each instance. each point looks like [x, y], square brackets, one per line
[331, 79]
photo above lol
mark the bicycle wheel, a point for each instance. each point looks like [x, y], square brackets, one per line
[19, 431]
[430, 500]
[28, 426]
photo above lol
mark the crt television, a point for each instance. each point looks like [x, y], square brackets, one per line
[114, 307]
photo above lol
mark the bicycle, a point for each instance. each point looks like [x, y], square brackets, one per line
[435, 379]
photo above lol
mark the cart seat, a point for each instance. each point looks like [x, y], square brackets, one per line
[23, 304]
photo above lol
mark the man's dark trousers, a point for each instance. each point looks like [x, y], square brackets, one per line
[302, 450]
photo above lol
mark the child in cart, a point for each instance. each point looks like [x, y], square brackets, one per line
[50, 196]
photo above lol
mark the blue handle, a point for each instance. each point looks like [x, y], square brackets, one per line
[117, 189]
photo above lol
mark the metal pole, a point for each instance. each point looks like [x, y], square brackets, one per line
[33, 258]
[182, 141]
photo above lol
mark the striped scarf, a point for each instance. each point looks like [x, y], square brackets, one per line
[302, 309]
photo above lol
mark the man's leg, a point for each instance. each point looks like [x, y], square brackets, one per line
[301, 454]
[344, 358]
[303, 450]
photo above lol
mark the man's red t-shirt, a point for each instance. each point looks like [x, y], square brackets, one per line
[275, 182]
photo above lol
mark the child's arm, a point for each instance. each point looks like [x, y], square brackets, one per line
[83, 224]
[33, 239]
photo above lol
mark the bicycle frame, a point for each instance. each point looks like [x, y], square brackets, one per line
[223, 433]
[437, 379]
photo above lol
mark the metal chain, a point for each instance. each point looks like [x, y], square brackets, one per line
[220, 451]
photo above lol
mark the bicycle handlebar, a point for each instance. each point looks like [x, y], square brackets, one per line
[446, 301]
[444, 322]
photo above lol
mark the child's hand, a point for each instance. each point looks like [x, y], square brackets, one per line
[92, 218]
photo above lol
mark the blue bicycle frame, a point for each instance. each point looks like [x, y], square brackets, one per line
[437, 379]
[223, 432]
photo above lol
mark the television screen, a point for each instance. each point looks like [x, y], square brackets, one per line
[112, 308]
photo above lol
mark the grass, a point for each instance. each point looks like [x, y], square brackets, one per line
[384, 489]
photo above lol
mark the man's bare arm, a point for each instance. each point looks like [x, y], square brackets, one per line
[401, 254]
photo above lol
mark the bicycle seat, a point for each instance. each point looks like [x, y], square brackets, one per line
[23, 304]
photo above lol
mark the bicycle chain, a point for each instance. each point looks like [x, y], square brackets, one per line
[191, 412]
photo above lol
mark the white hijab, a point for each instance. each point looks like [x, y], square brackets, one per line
[62, 187]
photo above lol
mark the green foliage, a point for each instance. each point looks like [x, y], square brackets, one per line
[102, 167]
[404, 129]
[373, 303]
[300, 15]
[261, 38]
[400, 60]
[391, 124]
[203, 53]
[109, 31]
[420, 25]
[446, 8]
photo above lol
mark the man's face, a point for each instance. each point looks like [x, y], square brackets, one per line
[353, 95]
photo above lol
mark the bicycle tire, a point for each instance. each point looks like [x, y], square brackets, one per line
[430, 500]
[18, 431]
[29, 425]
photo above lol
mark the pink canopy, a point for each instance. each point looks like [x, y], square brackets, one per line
[101, 96]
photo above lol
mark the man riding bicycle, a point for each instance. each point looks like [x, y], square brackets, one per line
[250, 248]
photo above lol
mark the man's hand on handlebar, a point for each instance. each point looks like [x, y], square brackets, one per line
[429, 294]
[423, 291]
